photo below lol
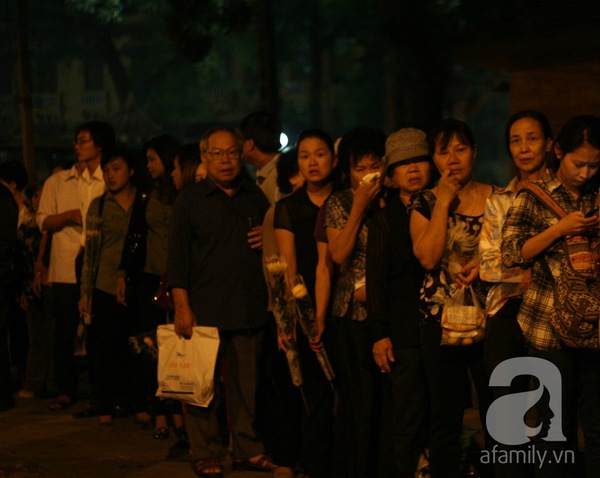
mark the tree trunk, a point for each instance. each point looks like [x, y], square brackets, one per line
[390, 92]
[316, 68]
[269, 94]
[25, 99]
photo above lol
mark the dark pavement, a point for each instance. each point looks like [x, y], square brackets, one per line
[35, 442]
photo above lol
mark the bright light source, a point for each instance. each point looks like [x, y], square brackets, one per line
[284, 140]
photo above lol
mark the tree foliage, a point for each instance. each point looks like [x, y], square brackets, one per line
[194, 25]
[339, 62]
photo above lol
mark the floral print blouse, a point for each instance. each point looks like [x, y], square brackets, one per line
[352, 271]
[462, 243]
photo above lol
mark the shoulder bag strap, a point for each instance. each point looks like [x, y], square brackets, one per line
[101, 204]
[546, 199]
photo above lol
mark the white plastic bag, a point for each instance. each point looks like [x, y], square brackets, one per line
[186, 367]
[463, 319]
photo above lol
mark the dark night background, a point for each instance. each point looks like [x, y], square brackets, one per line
[179, 66]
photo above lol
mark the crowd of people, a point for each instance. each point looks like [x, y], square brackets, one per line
[385, 232]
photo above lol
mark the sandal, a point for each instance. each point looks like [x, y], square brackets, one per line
[206, 467]
[183, 442]
[143, 420]
[105, 423]
[161, 433]
[262, 463]
[61, 403]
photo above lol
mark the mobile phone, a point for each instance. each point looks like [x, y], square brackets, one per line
[592, 212]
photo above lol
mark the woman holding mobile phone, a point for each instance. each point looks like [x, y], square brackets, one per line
[532, 238]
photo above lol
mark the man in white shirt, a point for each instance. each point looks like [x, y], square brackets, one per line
[260, 148]
[63, 207]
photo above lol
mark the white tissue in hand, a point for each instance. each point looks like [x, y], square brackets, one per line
[371, 178]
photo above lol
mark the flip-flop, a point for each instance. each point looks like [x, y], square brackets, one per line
[161, 433]
[264, 463]
[143, 423]
[62, 403]
[202, 466]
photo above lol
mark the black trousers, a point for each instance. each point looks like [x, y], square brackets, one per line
[279, 403]
[107, 339]
[404, 416]
[579, 389]
[5, 383]
[504, 340]
[144, 317]
[447, 371]
[65, 298]
[295, 431]
[356, 429]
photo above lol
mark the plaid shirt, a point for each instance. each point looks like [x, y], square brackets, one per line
[527, 218]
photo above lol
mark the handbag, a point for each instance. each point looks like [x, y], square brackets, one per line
[145, 345]
[186, 367]
[463, 319]
[162, 298]
[576, 291]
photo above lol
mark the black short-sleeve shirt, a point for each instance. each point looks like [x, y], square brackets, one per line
[298, 214]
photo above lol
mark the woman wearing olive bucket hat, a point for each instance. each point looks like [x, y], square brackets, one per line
[394, 277]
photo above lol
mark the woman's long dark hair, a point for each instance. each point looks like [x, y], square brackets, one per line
[444, 131]
[579, 131]
[167, 149]
[188, 160]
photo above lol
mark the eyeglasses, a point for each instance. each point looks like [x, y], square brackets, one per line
[81, 141]
[217, 155]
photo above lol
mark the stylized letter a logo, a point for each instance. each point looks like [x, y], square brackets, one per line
[505, 418]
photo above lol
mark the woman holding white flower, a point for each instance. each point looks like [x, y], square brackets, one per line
[295, 218]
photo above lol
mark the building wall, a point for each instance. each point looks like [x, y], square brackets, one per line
[59, 109]
[559, 93]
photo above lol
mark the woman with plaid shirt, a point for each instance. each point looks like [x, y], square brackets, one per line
[531, 236]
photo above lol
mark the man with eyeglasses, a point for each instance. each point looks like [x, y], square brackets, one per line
[260, 148]
[63, 207]
[215, 271]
